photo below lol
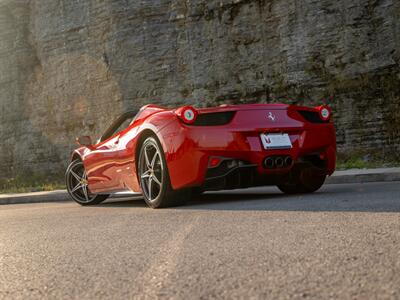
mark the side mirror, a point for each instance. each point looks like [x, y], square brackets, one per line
[84, 141]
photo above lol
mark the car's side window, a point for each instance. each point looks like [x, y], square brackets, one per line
[120, 124]
[123, 125]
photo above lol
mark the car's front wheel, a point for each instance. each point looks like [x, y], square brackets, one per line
[154, 177]
[77, 185]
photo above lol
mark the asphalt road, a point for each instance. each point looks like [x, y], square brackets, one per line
[342, 242]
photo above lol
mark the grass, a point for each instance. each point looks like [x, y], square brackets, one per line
[361, 164]
[26, 184]
[357, 161]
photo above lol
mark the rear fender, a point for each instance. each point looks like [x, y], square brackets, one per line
[152, 126]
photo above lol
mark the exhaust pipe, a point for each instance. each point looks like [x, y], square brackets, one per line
[279, 162]
[269, 162]
[288, 161]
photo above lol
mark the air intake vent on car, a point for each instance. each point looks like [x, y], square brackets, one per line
[312, 116]
[214, 119]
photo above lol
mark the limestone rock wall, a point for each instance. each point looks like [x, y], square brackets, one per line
[68, 66]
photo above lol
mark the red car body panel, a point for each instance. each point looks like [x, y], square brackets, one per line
[111, 164]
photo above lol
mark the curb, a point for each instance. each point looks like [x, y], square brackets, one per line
[339, 177]
[52, 196]
[364, 175]
[35, 197]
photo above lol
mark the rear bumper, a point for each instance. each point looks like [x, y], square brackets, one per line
[188, 149]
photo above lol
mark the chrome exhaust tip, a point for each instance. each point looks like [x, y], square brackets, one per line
[279, 162]
[269, 163]
[288, 161]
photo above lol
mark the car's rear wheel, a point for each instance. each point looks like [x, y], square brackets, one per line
[307, 180]
[154, 177]
[77, 185]
[196, 192]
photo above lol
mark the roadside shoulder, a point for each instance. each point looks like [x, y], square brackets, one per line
[364, 175]
[34, 197]
[345, 176]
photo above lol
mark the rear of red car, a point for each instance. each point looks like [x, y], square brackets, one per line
[248, 145]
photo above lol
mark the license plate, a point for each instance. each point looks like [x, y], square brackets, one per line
[276, 141]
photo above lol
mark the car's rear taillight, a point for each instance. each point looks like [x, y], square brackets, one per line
[324, 112]
[187, 114]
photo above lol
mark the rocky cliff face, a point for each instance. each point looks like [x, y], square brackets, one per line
[66, 67]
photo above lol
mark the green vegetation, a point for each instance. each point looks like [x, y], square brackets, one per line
[362, 161]
[359, 163]
[29, 183]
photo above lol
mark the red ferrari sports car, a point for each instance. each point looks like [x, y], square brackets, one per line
[167, 154]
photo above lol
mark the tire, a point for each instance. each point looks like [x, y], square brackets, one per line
[196, 192]
[154, 178]
[305, 181]
[77, 187]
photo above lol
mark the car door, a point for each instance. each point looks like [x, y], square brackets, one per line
[100, 164]
[126, 158]
[102, 161]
